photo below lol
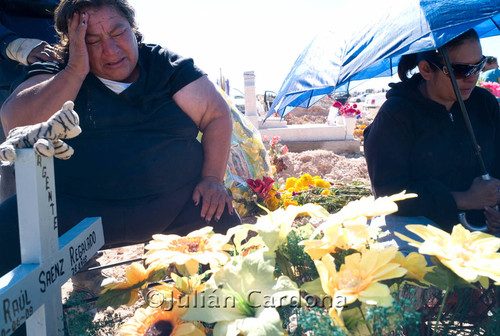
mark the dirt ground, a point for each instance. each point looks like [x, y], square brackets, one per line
[328, 165]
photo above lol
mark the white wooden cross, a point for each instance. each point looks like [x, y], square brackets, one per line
[31, 293]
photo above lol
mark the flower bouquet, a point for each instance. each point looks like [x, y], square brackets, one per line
[347, 110]
[305, 189]
[328, 275]
[265, 192]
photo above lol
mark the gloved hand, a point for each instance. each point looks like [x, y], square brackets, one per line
[44, 137]
[27, 51]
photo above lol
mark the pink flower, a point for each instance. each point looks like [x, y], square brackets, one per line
[275, 140]
[337, 104]
[349, 110]
[265, 138]
[493, 87]
[284, 150]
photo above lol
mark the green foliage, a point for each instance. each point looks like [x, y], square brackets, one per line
[158, 274]
[293, 261]
[399, 319]
[343, 192]
[492, 326]
[444, 278]
[79, 319]
[340, 256]
[114, 298]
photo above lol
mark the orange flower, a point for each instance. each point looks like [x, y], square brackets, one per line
[290, 182]
[272, 202]
[319, 182]
[304, 182]
[289, 201]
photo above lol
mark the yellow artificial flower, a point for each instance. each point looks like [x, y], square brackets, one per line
[357, 213]
[149, 320]
[370, 207]
[202, 246]
[415, 264]
[241, 241]
[338, 236]
[358, 278]
[326, 192]
[188, 285]
[136, 279]
[472, 256]
[290, 182]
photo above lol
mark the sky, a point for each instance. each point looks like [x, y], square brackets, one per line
[230, 37]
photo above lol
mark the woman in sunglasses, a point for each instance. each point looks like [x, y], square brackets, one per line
[418, 141]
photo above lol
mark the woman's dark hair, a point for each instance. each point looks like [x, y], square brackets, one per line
[410, 61]
[64, 12]
[491, 60]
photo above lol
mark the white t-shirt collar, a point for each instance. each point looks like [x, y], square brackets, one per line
[116, 87]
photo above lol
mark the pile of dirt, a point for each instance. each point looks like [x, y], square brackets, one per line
[315, 114]
[327, 165]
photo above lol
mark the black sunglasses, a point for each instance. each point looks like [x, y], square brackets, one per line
[461, 70]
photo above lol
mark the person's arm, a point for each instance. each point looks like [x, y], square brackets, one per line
[36, 99]
[24, 50]
[6, 36]
[208, 109]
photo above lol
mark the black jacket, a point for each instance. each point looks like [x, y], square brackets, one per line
[415, 144]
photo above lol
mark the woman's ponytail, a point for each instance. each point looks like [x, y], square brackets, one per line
[406, 64]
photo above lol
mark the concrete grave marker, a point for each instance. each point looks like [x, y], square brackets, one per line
[31, 293]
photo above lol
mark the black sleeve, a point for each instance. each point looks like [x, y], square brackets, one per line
[388, 149]
[185, 72]
[6, 36]
[168, 70]
[39, 68]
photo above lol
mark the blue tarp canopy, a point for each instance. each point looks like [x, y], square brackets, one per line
[354, 52]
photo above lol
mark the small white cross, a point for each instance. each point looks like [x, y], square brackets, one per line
[31, 293]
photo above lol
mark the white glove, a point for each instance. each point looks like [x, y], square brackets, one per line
[44, 137]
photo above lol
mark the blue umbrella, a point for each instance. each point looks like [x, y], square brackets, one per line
[336, 57]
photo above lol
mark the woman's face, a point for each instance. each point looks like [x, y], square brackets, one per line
[111, 45]
[439, 87]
